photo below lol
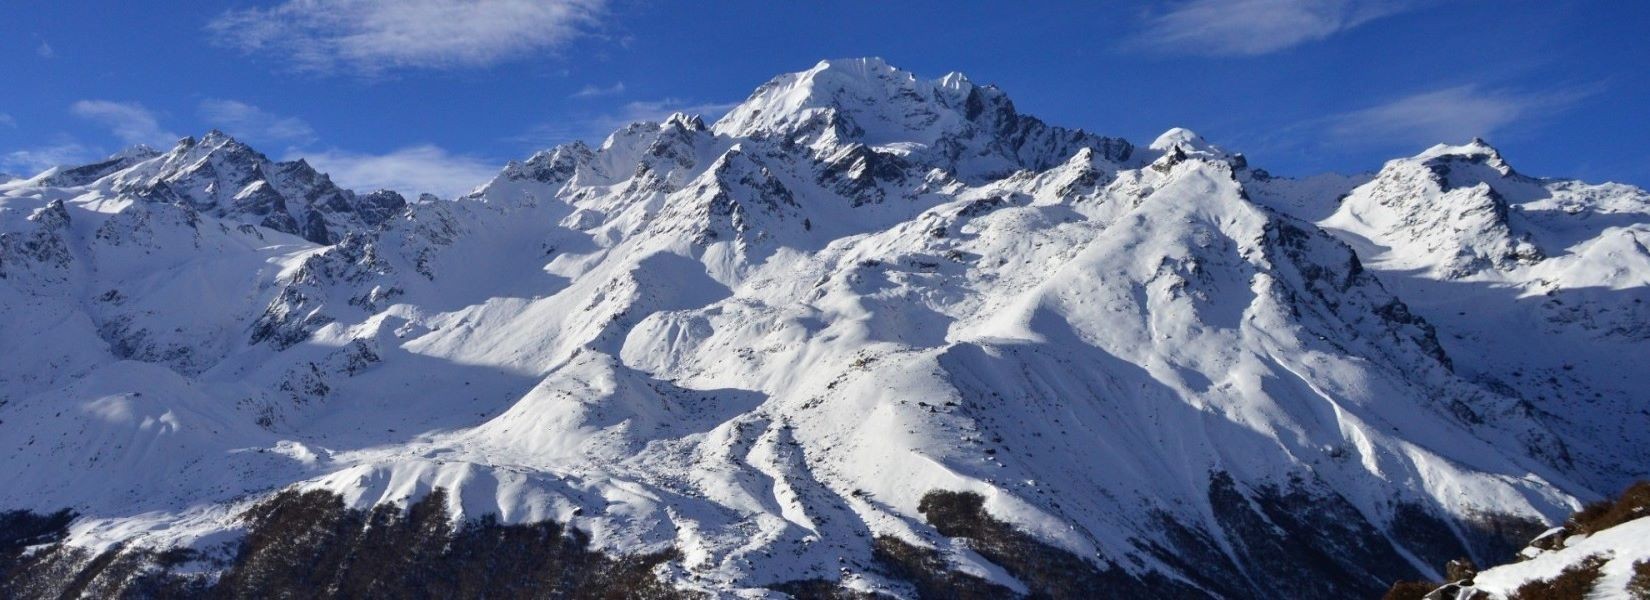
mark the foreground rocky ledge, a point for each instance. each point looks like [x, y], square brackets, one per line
[310, 544]
[1601, 551]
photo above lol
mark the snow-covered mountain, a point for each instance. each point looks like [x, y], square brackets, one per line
[855, 334]
[1543, 286]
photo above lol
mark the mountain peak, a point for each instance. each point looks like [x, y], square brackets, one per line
[860, 89]
[1475, 151]
[1473, 148]
[948, 123]
[955, 80]
[212, 142]
[685, 121]
[1447, 209]
[862, 67]
[1178, 144]
[880, 306]
[1187, 142]
[1178, 136]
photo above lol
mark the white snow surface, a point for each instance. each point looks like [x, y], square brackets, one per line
[762, 341]
[1621, 546]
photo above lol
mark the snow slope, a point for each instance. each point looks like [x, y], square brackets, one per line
[1543, 286]
[1622, 546]
[763, 341]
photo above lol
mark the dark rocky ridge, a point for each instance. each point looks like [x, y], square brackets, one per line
[1292, 540]
[309, 545]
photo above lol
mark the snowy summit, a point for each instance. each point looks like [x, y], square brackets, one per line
[867, 333]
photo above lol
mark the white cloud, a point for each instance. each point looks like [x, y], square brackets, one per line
[1253, 27]
[45, 50]
[596, 127]
[369, 37]
[1453, 114]
[254, 124]
[7, 120]
[411, 171]
[129, 121]
[593, 91]
[30, 161]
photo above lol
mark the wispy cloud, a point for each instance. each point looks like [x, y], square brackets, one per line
[45, 50]
[7, 120]
[30, 161]
[411, 171]
[1254, 27]
[370, 37]
[1452, 114]
[595, 127]
[254, 124]
[595, 91]
[129, 121]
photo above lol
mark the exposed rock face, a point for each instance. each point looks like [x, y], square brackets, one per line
[1448, 208]
[221, 177]
[970, 130]
[310, 544]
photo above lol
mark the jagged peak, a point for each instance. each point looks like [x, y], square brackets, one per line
[573, 147]
[1085, 162]
[686, 121]
[214, 142]
[51, 216]
[955, 80]
[550, 165]
[874, 71]
[857, 86]
[1179, 144]
[301, 170]
[1447, 209]
[383, 192]
[575, 150]
[950, 123]
[211, 140]
[644, 132]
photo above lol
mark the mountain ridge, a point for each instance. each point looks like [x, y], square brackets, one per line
[764, 344]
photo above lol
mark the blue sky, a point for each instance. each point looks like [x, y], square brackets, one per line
[437, 94]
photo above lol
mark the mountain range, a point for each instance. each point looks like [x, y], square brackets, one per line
[865, 335]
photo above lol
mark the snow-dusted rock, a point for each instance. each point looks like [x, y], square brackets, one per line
[765, 342]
